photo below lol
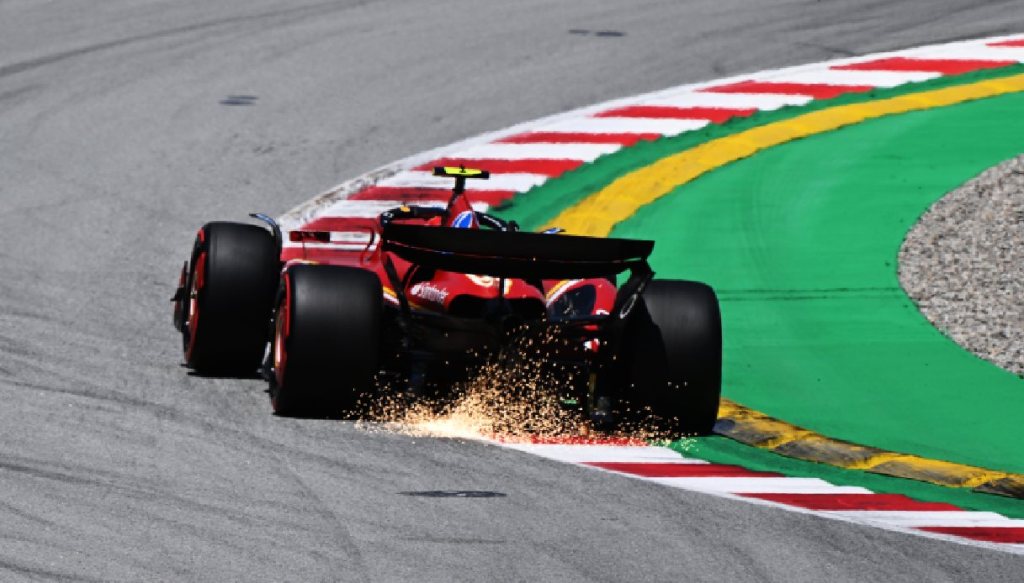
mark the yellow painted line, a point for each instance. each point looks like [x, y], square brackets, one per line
[597, 214]
[757, 429]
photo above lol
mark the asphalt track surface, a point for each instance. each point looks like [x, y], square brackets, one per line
[125, 125]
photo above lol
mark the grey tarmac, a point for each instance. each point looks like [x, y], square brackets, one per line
[124, 125]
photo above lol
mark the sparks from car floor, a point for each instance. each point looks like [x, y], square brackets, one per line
[451, 315]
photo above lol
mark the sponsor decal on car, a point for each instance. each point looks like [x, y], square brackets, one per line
[430, 293]
[560, 288]
[464, 220]
[488, 281]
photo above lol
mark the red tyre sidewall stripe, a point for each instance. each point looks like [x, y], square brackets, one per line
[282, 330]
[198, 281]
[180, 303]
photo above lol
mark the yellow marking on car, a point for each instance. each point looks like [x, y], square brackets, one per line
[558, 287]
[460, 171]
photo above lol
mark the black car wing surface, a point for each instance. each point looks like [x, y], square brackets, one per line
[515, 254]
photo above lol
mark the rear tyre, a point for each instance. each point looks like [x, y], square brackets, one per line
[672, 357]
[326, 347]
[230, 286]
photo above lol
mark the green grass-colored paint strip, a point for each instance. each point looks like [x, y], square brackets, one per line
[801, 242]
[541, 204]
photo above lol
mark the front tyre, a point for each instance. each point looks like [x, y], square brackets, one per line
[230, 286]
[672, 352]
[326, 347]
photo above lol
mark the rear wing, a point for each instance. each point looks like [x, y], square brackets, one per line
[514, 254]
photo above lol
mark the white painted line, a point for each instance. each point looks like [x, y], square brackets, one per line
[872, 78]
[602, 453]
[624, 125]
[690, 98]
[781, 485]
[585, 152]
[979, 52]
[504, 181]
[368, 209]
[914, 519]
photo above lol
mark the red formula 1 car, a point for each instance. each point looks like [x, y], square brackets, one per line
[434, 291]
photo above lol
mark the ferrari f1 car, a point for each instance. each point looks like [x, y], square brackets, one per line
[429, 293]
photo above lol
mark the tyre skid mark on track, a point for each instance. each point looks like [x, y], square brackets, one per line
[343, 538]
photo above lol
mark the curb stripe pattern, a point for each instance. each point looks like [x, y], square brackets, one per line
[439, 195]
[812, 90]
[940, 66]
[711, 114]
[896, 512]
[759, 430]
[623, 123]
[624, 140]
[598, 213]
[860, 77]
[550, 167]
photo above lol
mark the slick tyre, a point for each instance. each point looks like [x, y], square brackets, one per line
[326, 347]
[230, 283]
[672, 357]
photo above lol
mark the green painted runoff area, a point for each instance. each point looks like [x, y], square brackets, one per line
[801, 242]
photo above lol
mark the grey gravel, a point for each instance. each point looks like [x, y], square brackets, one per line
[963, 264]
